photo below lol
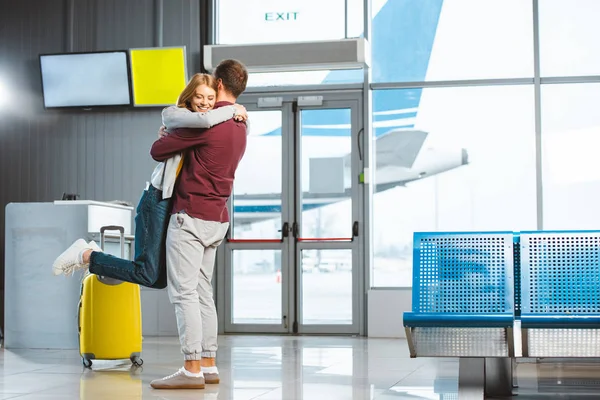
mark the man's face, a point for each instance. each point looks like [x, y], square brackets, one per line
[204, 98]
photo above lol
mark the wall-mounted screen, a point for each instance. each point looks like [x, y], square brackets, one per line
[85, 79]
[158, 75]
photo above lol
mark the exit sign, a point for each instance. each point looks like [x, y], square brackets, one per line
[281, 16]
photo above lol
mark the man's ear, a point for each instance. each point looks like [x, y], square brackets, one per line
[220, 84]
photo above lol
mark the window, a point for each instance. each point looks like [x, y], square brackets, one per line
[571, 166]
[569, 32]
[263, 153]
[462, 159]
[452, 39]
[262, 79]
[268, 21]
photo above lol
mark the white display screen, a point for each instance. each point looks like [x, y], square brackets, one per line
[85, 80]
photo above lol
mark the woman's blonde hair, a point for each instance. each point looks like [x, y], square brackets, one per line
[185, 98]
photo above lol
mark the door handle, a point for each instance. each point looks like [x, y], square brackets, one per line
[285, 230]
[295, 229]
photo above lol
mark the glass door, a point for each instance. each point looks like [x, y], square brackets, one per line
[326, 223]
[255, 298]
[291, 256]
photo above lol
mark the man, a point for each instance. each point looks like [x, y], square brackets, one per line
[198, 224]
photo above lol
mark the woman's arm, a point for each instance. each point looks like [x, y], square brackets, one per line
[176, 117]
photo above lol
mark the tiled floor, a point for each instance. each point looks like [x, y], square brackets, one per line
[273, 367]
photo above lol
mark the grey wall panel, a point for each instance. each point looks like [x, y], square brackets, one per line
[99, 154]
[178, 29]
[124, 24]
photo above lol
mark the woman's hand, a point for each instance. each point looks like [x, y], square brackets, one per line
[240, 112]
[162, 131]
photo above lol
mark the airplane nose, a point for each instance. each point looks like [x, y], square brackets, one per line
[465, 157]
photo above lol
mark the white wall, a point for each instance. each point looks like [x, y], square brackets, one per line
[385, 310]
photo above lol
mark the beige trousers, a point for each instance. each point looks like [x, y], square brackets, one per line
[191, 251]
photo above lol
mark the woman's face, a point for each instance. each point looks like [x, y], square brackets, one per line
[204, 98]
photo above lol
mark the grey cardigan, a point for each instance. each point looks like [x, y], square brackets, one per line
[173, 117]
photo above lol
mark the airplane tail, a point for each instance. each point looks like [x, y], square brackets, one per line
[396, 148]
[399, 148]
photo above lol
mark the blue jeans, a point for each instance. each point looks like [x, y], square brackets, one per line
[149, 267]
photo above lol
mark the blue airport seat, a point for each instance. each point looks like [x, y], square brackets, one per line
[517, 273]
[560, 301]
[463, 295]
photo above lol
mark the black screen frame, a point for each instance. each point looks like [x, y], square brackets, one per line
[85, 107]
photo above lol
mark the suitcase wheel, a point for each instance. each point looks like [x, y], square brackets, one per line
[87, 363]
[137, 361]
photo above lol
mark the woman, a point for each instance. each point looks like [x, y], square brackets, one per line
[193, 110]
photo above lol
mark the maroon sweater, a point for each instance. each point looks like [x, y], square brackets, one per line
[210, 160]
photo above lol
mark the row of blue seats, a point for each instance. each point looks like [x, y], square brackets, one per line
[469, 288]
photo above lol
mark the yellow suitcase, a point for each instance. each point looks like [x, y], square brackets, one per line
[110, 316]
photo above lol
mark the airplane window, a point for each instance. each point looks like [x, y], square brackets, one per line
[463, 159]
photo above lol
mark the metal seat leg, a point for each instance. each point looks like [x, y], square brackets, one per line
[471, 378]
[481, 377]
[498, 377]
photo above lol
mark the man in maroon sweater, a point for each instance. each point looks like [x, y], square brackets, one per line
[198, 224]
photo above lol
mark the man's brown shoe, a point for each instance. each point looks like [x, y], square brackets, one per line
[179, 380]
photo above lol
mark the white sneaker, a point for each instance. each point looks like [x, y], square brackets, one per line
[94, 246]
[179, 380]
[211, 375]
[68, 262]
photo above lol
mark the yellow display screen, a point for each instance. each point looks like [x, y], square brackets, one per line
[158, 75]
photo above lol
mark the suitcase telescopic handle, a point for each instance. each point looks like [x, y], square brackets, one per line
[113, 228]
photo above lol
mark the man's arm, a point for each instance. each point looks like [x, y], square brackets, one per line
[176, 142]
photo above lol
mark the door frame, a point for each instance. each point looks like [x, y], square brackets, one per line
[295, 254]
[291, 211]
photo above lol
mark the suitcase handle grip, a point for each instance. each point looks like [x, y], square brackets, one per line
[113, 228]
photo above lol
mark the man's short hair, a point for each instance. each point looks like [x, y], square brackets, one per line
[234, 76]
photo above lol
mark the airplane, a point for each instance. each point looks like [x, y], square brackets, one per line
[401, 158]
[403, 154]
